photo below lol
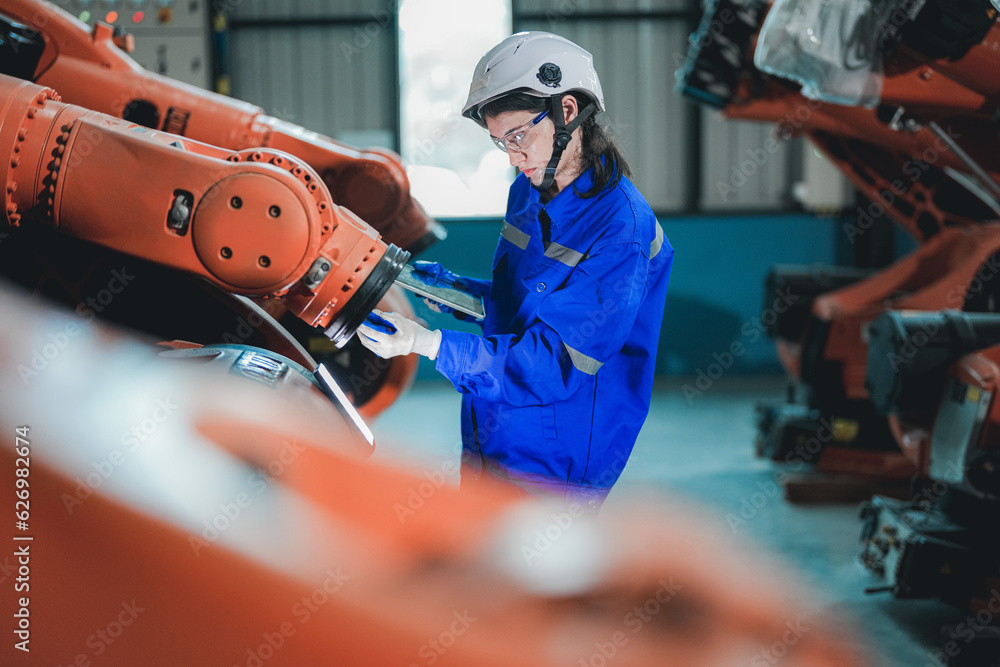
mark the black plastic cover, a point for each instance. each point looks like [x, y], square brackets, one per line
[909, 353]
[797, 286]
[949, 28]
[21, 49]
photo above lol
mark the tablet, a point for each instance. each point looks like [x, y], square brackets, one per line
[463, 302]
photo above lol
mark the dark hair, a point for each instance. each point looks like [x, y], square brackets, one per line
[598, 150]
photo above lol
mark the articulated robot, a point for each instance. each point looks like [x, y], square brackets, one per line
[47, 45]
[906, 358]
[936, 375]
[92, 69]
[927, 155]
[251, 223]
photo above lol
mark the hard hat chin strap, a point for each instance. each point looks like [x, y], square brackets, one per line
[564, 133]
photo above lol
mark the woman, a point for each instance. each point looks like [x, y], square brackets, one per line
[557, 387]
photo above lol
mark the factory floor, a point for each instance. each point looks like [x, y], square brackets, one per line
[702, 450]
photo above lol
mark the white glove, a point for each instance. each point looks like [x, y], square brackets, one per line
[409, 337]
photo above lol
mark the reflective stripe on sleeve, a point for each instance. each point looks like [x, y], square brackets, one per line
[654, 247]
[582, 362]
[515, 236]
[565, 255]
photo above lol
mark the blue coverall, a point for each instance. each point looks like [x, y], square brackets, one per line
[558, 386]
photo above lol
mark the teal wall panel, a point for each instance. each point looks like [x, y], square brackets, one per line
[715, 304]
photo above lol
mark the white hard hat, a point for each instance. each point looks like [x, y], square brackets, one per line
[534, 62]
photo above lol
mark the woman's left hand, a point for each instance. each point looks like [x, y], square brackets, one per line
[408, 338]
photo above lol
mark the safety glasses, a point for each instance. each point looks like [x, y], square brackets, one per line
[520, 138]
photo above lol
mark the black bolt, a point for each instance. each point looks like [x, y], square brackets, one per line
[236, 202]
[274, 211]
[264, 261]
[226, 252]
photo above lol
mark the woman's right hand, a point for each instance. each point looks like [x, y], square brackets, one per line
[435, 275]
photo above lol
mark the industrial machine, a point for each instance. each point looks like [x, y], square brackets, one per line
[936, 376]
[92, 67]
[895, 371]
[203, 227]
[254, 222]
[900, 97]
[173, 38]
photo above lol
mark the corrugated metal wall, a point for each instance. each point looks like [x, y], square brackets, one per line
[637, 46]
[328, 66]
[331, 67]
[743, 165]
[647, 119]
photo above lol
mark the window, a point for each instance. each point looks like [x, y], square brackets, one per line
[454, 168]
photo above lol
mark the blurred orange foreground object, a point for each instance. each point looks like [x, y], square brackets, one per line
[88, 69]
[179, 516]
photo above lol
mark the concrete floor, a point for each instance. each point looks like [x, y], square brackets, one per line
[702, 450]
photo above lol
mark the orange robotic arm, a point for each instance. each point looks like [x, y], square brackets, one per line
[256, 222]
[927, 155]
[93, 70]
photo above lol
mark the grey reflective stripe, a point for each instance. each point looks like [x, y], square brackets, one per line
[567, 256]
[657, 243]
[582, 362]
[515, 236]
